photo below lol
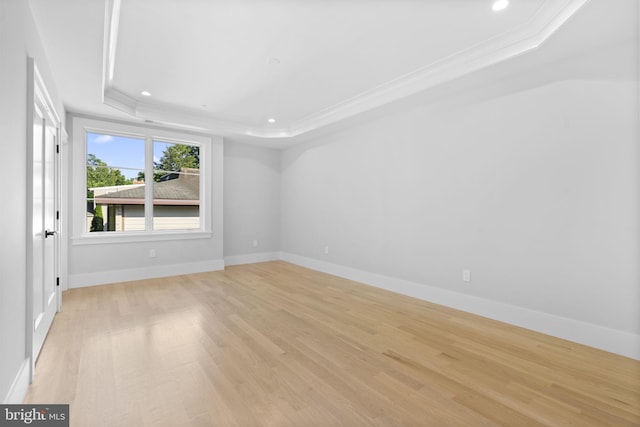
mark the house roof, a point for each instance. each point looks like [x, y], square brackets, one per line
[173, 189]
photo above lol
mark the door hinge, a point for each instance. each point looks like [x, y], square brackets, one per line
[57, 214]
[58, 148]
[57, 281]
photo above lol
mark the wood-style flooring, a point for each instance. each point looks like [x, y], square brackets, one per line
[274, 344]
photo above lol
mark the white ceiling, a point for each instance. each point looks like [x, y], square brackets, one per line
[227, 66]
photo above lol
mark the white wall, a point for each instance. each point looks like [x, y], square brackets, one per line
[251, 203]
[18, 39]
[530, 181]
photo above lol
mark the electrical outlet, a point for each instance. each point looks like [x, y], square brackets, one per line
[255, 243]
[152, 253]
[326, 250]
[466, 275]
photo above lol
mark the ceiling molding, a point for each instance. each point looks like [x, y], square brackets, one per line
[119, 100]
[529, 36]
[183, 118]
[110, 41]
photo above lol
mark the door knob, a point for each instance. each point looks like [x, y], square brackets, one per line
[48, 233]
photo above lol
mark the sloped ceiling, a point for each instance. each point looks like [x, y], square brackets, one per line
[228, 66]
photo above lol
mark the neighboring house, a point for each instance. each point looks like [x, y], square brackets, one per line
[176, 203]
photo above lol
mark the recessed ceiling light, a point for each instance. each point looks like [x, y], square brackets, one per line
[145, 93]
[500, 5]
[271, 120]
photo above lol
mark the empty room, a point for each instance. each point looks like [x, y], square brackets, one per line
[320, 213]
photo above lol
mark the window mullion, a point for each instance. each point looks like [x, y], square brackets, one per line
[148, 193]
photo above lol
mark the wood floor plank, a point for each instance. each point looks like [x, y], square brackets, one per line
[274, 344]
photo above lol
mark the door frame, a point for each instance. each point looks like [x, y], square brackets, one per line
[37, 92]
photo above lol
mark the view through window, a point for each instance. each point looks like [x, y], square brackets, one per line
[176, 191]
[118, 178]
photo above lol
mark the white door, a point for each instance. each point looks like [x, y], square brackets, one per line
[44, 286]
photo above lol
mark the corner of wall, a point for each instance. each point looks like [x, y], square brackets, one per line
[251, 258]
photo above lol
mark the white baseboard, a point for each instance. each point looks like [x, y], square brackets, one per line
[115, 276]
[251, 258]
[20, 385]
[612, 340]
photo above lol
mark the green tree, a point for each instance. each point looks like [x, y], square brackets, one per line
[99, 175]
[97, 222]
[174, 158]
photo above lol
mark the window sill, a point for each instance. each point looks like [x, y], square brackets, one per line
[108, 238]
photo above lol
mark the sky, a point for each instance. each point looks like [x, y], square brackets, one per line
[125, 153]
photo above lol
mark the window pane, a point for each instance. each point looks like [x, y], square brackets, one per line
[115, 183]
[176, 188]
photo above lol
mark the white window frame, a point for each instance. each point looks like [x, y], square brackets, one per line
[82, 126]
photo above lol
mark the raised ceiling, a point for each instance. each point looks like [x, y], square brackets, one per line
[228, 66]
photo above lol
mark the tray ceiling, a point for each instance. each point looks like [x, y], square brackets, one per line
[229, 66]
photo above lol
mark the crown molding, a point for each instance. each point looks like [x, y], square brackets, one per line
[551, 16]
[166, 114]
[520, 40]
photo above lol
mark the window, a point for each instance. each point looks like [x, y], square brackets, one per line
[176, 192]
[115, 183]
[139, 181]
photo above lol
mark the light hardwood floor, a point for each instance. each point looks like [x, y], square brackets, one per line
[274, 344]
